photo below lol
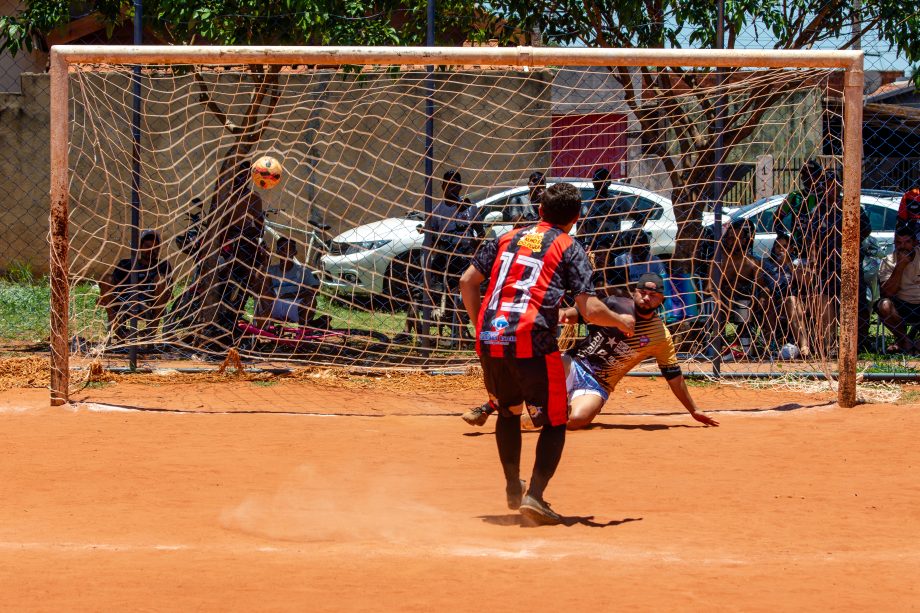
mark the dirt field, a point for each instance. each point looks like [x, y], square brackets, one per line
[317, 496]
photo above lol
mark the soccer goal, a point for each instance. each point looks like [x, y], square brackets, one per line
[733, 174]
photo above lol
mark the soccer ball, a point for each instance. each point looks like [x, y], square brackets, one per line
[789, 351]
[266, 172]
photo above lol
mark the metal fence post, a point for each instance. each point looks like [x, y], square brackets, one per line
[849, 292]
[60, 195]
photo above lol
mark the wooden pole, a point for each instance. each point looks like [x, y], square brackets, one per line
[852, 179]
[60, 284]
[481, 56]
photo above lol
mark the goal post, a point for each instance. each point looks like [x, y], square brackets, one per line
[65, 58]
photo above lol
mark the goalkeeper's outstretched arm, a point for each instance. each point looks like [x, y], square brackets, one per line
[679, 388]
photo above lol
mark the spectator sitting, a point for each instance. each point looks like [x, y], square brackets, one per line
[899, 275]
[294, 287]
[636, 261]
[783, 309]
[143, 297]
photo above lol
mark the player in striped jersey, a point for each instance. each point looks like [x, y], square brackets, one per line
[597, 363]
[529, 271]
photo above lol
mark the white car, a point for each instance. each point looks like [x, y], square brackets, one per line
[383, 258]
[882, 208]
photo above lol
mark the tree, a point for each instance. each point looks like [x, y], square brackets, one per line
[690, 150]
[242, 22]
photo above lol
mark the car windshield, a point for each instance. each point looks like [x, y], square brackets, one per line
[484, 193]
[745, 211]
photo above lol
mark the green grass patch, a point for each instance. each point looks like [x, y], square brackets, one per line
[888, 364]
[95, 385]
[694, 382]
[342, 316]
[264, 383]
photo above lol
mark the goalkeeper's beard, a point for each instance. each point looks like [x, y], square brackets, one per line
[644, 312]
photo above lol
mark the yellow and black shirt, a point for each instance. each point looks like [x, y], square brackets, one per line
[608, 354]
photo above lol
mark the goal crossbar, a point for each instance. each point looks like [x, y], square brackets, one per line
[63, 56]
[482, 56]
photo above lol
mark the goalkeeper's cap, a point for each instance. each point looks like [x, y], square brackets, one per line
[651, 281]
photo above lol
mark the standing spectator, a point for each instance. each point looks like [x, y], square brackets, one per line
[909, 210]
[823, 247]
[448, 244]
[537, 184]
[783, 310]
[232, 242]
[731, 283]
[600, 226]
[137, 287]
[899, 275]
[520, 211]
[792, 215]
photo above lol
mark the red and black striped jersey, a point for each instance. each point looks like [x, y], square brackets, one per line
[528, 271]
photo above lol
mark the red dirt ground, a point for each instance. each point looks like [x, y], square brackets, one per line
[793, 504]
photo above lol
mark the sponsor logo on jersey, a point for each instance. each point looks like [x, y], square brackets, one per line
[644, 340]
[494, 337]
[532, 240]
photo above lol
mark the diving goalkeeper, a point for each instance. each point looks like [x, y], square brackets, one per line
[597, 363]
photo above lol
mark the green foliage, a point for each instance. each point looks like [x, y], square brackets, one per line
[266, 22]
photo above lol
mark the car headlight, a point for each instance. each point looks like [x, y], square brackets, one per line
[369, 245]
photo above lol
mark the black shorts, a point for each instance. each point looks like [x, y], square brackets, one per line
[908, 311]
[537, 382]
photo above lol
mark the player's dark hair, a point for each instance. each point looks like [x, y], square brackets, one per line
[561, 204]
[906, 230]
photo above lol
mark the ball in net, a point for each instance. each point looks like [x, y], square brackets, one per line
[266, 172]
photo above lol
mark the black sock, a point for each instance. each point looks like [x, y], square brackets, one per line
[549, 452]
[490, 407]
[508, 438]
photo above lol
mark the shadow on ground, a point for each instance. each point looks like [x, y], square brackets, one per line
[516, 519]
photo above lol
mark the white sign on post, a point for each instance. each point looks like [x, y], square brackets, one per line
[763, 177]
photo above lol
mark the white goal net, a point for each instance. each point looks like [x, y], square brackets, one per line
[728, 175]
